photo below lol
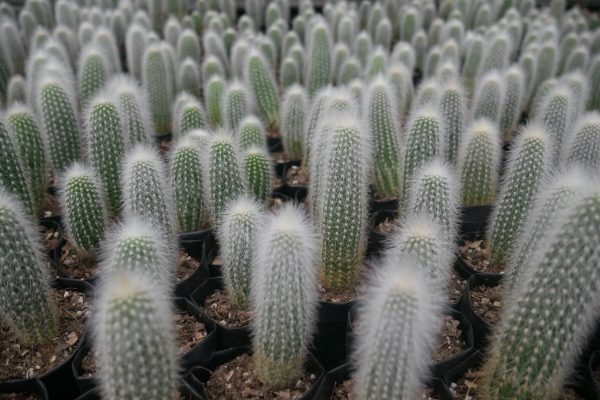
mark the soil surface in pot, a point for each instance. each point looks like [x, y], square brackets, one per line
[50, 208]
[487, 302]
[19, 396]
[456, 286]
[331, 296]
[385, 227]
[275, 202]
[450, 342]
[477, 256]
[276, 182]
[280, 158]
[187, 265]
[19, 361]
[237, 380]
[343, 391]
[218, 307]
[296, 176]
[50, 237]
[74, 265]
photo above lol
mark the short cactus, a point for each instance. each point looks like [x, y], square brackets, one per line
[478, 163]
[133, 109]
[383, 125]
[560, 290]
[13, 175]
[26, 303]
[251, 132]
[453, 109]
[529, 162]
[257, 168]
[399, 305]
[513, 100]
[583, 146]
[294, 111]
[236, 105]
[93, 71]
[242, 221]
[555, 112]
[319, 66]
[158, 84]
[82, 200]
[128, 305]
[188, 114]
[284, 268]
[261, 84]
[214, 92]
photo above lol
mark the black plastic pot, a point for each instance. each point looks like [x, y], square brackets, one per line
[274, 144]
[185, 287]
[186, 390]
[381, 205]
[226, 337]
[282, 167]
[473, 223]
[376, 240]
[198, 376]
[296, 193]
[191, 241]
[330, 343]
[214, 270]
[481, 329]
[29, 386]
[592, 366]
[473, 361]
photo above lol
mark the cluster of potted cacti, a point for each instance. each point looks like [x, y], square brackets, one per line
[145, 132]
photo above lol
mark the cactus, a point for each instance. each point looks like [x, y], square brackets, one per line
[106, 146]
[22, 128]
[341, 52]
[593, 102]
[133, 108]
[344, 202]
[213, 45]
[251, 132]
[383, 34]
[188, 114]
[423, 143]
[158, 85]
[349, 71]
[555, 113]
[419, 43]
[261, 84]
[547, 63]
[497, 55]
[405, 54]
[129, 305]
[293, 114]
[432, 62]
[188, 46]
[560, 290]
[579, 86]
[529, 162]
[146, 192]
[12, 45]
[383, 125]
[583, 145]
[410, 24]
[213, 94]
[489, 97]
[221, 173]
[478, 163]
[513, 100]
[578, 60]
[172, 31]
[13, 175]
[473, 57]
[236, 105]
[188, 77]
[135, 46]
[16, 91]
[561, 191]
[399, 305]
[401, 80]
[26, 302]
[319, 67]
[106, 41]
[540, 95]
[55, 103]
[427, 95]
[285, 268]
[435, 191]
[377, 64]
[257, 172]
[242, 221]
[452, 109]
[93, 71]
[289, 73]
[84, 210]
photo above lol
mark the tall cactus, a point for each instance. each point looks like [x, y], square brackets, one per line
[593, 102]
[133, 108]
[16, 91]
[527, 359]
[236, 105]
[261, 84]
[583, 146]
[547, 63]
[555, 112]
[513, 100]
[498, 54]
[344, 201]
[188, 77]
[285, 268]
[257, 168]
[13, 175]
[489, 97]
[242, 221]
[214, 92]
[473, 57]
[383, 125]
[251, 132]
[188, 114]
[158, 84]
[528, 164]
[398, 306]
[294, 111]
[479, 163]
[130, 303]
[319, 66]
[93, 71]
[452, 109]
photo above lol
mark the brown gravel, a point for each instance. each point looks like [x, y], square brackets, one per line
[190, 331]
[450, 342]
[74, 264]
[386, 227]
[88, 365]
[343, 391]
[487, 302]
[187, 265]
[477, 256]
[237, 380]
[217, 306]
[165, 146]
[337, 297]
[19, 361]
[276, 182]
[297, 176]
[50, 237]
[456, 286]
[280, 158]
[51, 207]
[275, 202]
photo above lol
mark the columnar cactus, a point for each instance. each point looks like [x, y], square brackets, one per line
[134, 326]
[427, 95]
[213, 94]
[349, 71]
[13, 175]
[583, 146]
[383, 125]
[424, 142]
[146, 192]
[547, 63]
[294, 111]
[411, 21]
[489, 97]
[555, 112]
[259, 80]
[55, 103]
[105, 147]
[593, 102]
[186, 185]
[257, 172]
[528, 164]
[317, 107]
[513, 100]
[221, 174]
[133, 109]
[478, 163]
[435, 191]
[106, 40]
[157, 82]
[188, 77]
[452, 109]
[22, 128]
[284, 268]
[12, 46]
[498, 54]
[473, 57]
[26, 302]
[251, 132]
[82, 200]
[289, 73]
[93, 71]
[401, 80]
[399, 305]
[16, 91]
[236, 105]
[343, 201]
[527, 359]
[319, 66]
[188, 45]
[188, 114]
[377, 64]
[242, 221]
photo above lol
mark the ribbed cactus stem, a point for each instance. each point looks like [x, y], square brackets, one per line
[513, 100]
[188, 114]
[293, 115]
[260, 82]
[188, 77]
[257, 173]
[473, 57]
[13, 175]
[528, 164]
[593, 102]
[158, 84]
[251, 132]
[133, 108]
[236, 105]
[319, 66]
[452, 109]
[130, 304]
[214, 92]
[489, 97]
[16, 91]
[284, 268]
[497, 55]
[583, 146]
[93, 71]
[555, 112]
